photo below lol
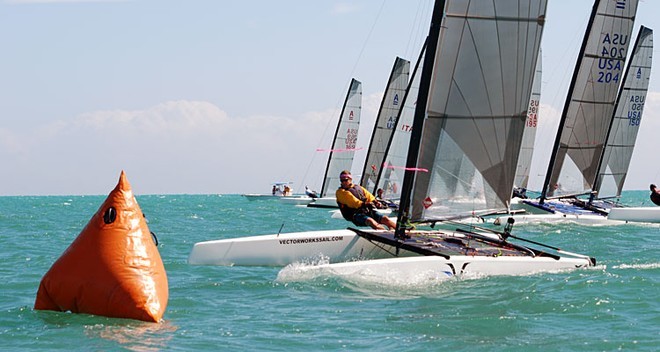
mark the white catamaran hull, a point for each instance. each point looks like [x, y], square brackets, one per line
[434, 267]
[636, 214]
[287, 248]
[583, 219]
[324, 202]
[302, 200]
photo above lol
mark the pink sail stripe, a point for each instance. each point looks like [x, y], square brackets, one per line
[338, 150]
[405, 168]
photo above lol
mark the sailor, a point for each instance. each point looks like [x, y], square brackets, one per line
[520, 192]
[358, 205]
[310, 193]
[655, 195]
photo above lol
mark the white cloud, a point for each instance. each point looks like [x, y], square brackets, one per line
[174, 147]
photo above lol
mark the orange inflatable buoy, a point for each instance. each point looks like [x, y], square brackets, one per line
[112, 268]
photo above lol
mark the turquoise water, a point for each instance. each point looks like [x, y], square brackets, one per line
[614, 306]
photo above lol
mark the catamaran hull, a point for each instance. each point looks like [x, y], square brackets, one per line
[638, 214]
[436, 268]
[554, 212]
[287, 248]
[254, 196]
[296, 200]
[584, 219]
[324, 202]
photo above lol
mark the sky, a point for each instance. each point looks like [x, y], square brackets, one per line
[220, 97]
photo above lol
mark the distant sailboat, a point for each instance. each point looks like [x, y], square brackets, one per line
[623, 133]
[589, 107]
[343, 146]
[278, 191]
[627, 118]
[586, 120]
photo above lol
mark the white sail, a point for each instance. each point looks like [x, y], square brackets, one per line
[589, 106]
[529, 137]
[385, 122]
[472, 128]
[344, 143]
[627, 118]
[391, 175]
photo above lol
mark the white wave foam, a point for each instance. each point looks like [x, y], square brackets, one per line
[637, 266]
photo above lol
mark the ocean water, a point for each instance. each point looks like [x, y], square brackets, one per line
[614, 306]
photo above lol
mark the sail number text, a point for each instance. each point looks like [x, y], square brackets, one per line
[351, 138]
[635, 107]
[612, 56]
[532, 111]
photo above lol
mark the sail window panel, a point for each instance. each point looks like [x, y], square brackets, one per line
[571, 180]
[457, 188]
[609, 184]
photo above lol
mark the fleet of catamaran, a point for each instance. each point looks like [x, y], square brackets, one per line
[454, 138]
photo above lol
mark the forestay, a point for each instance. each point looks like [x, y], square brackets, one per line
[627, 118]
[589, 106]
[471, 129]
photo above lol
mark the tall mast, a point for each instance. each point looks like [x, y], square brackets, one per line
[420, 115]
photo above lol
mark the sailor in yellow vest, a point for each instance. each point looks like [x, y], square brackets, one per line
[359, 206]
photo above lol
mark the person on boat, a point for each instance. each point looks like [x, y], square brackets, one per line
[287, 191]
[655, 195]
[358, 205]
[310, 193]
[520, 192]
[384, 203]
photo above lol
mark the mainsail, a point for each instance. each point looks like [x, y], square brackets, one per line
[589, 106]
[385, 122]
[473, 98]
[527, 147]
[627, 117]
[344, 143]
